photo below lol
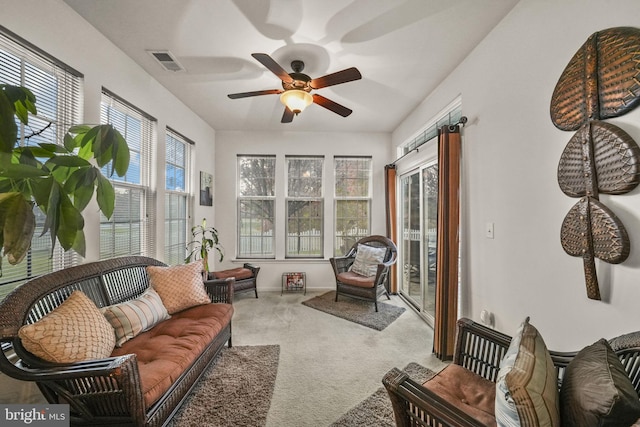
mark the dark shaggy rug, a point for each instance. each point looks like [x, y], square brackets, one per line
[355, 310]
[376, 410]
[235, 391]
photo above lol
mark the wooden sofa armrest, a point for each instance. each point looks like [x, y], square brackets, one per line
[479, 348]
[92, 388]
[220, 290]
[411, 402]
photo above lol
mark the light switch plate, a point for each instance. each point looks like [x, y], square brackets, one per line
[489, 230]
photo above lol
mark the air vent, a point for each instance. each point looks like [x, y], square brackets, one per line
[166, 59]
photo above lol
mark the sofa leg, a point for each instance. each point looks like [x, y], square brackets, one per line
[376, 304]
[256, 291]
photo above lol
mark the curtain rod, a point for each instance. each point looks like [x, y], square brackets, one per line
[461, 122]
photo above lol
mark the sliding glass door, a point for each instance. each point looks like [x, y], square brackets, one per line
[419, 195]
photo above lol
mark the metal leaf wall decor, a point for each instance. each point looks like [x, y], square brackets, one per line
[601, 81]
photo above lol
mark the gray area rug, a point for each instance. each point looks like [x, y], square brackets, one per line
[355, 310]
[235, 391]
[376, 410]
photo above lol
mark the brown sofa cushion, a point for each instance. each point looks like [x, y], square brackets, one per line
[355, 279]
[170, 347]
[466, 391]
[239, 273]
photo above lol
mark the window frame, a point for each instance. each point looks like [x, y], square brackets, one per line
[265, 239]
[340, 249]
[110, 101]
[314, 199]
[172, 249]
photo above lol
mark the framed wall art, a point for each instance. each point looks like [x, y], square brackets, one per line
[206, 189]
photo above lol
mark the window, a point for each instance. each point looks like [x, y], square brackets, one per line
[176, 198]
[352, 201]
[130, 230]
[452, 115]
[305, 207]
[58, 91]
[256, 204]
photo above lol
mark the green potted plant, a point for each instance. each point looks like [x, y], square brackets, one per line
[59, 178]
[204, 239]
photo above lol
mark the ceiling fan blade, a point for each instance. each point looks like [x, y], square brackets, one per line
[331, 105]
[273, 66]
[256, 93]
[287, 116]
[348, 75]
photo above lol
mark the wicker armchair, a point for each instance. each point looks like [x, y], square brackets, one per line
[479, 350]
[354, 285]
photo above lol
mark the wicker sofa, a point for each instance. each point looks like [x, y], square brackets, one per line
[478, 352]
[145, 380]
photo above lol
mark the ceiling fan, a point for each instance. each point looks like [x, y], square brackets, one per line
[296, 87]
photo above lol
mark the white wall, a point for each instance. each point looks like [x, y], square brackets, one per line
[231, 143]
[55, 28]
[511, 153]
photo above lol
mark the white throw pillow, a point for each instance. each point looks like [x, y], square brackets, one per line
[367, 260]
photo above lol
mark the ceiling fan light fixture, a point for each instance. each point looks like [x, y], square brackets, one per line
[296, 100]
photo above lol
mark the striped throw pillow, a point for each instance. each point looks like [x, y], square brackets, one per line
[527, 387]
[133, 317]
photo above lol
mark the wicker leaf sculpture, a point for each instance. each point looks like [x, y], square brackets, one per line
[590, 230]
[601, 81]
[615, 165]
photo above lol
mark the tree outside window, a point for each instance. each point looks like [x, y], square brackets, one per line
[256, 203]
[352, 201]
[305, 207]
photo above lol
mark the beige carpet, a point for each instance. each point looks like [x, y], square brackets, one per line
[356, 310]
[376, 410]
[235, 391]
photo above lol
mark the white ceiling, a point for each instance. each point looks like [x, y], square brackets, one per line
[403, 48]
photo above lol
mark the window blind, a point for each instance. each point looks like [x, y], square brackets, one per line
[58, 91]
[131, 229]
[177, 191]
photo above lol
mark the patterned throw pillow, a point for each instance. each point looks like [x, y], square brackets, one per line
[74, 331]
[527, 386]
[179, 287]
[131, 318]
[596, 390]
[367, 260]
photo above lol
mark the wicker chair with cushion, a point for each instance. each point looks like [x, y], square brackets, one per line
[246, 278]
[362, 273]
[498, 380]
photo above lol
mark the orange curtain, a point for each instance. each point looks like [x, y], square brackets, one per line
[449, 147]
[390, 200]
